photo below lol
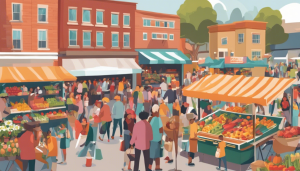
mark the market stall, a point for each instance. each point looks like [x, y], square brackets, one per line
[238, 89]
[33, 95]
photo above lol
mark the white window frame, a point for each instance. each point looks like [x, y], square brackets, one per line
[47, 42]
[252, 34]
[72, 22]
[242, 38]
[146, 36]
[102, 38]
[127, 47]
[21, 39]
[76, 38]
[112, 40]
[256, 50]
[100, 10]
[224, 51]
[12, 11]
[159, 20]
[42, 6]
[162, 35]
[126, 26]
[146, 22]
[158, 23]
[86, 46]
[173, 24]
[170, 36]
[222, 40]
[84, 23]
[115, 25]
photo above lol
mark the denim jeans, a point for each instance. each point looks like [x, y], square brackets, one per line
[117, 122]
[224, 161]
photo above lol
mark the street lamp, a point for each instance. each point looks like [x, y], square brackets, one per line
[215, 55]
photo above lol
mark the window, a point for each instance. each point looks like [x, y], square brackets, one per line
[147, 22]
[255, 54]
[165, 24]
[115, 19]
[255, 38]
[171, 24]
[42, 13]
[99, 38]
[16, 39]
[99, 17]
[145, 36]
[115, 39]
[222, 54]
[171, 36]
[72, 14]
[86, 38]
[126, 20]
[224, 41]
[165, 36]
[154, 36]
[86, 16]
[160, 36]
[241, 38]
[42, 39]
[73, 37]
[156, 23]
[16, 12]
[126, 40]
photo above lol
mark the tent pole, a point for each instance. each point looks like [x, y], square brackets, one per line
[254, 128]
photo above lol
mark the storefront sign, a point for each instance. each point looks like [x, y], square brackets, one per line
[201, 61]
[235, 60]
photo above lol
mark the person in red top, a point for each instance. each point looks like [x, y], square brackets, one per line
[27, 144]
[105, 116]
[112, 89]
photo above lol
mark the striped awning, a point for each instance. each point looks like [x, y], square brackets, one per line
[162, 56]
[238, 88]
[34, 74]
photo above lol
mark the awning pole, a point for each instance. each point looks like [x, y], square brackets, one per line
[254, 128]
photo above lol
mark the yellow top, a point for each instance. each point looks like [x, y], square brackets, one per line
[121, 86]
[222, 146]
[163, 109]
[52, 146]
[193, 130]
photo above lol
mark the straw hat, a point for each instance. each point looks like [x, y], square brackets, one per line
[117, 97]
[105, 100]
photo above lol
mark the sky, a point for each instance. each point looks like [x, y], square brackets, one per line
[171, 6]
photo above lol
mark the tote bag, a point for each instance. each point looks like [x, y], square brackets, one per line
[217, 155]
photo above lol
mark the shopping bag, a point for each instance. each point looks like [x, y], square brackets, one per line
[168, 146]
[122, 145]
[98, 155]
[131, 157]
[217, 155]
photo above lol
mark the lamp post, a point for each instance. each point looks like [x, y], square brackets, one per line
[215, 55]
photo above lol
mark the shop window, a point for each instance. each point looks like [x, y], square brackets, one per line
[17, 40]
[99, 38]
[255, 38]
[42, 39]
[256, 55]
[86, 38]
[72, 14]
[224, 41]
[86, 16]
[16, 12]
[73, 37]
[171, 24]
[115, 39]
[99, 17]
[126, 39]
[42, 13]
[145, 36]
[126, 20]
[147, 23]
[241, 38]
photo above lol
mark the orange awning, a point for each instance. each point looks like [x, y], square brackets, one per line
[34, 74]
[238, 88]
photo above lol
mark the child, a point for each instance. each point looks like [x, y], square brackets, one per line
[127, 160]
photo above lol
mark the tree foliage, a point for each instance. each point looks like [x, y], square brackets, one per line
[275, 33]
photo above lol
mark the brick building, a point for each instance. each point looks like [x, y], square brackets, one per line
[96, 38]
[157, 40]
[28, 33]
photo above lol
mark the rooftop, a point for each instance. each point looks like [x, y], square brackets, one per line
[247, 24]
[156, 14]
[293, 42]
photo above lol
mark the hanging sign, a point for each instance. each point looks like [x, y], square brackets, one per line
[201, 61]
[235, 60]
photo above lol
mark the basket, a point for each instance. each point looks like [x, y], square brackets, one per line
[39, 100]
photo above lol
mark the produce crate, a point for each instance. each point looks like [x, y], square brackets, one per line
[236, 143]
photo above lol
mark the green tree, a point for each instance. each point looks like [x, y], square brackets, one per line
[275, 33]
[195, 17]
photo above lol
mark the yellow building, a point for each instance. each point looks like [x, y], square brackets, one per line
[243, 38]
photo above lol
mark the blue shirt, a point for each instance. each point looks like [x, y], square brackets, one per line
[118, 110]
[156, 124]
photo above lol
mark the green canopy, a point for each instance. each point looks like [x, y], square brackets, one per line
[208, 62]
[249, 64]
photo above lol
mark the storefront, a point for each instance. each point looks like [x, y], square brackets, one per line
[161, 63]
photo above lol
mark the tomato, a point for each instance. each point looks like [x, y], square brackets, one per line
[281, 167]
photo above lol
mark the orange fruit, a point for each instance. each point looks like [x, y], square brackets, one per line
[2, 151]
[12, 145]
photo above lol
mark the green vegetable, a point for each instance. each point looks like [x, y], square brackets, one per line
[91, 117]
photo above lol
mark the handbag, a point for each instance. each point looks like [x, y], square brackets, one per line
[217, 155]
[122, 145]
[103, 128]
[131, 157]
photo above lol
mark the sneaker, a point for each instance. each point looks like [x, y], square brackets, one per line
[191, 164]
[170, 161]
[121, 135]
[167, 158]
[218, 168]
[112, 137]
[100, 138]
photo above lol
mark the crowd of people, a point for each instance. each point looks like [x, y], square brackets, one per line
[284, 70]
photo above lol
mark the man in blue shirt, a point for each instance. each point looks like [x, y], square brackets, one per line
[155, 144]
[118, 112]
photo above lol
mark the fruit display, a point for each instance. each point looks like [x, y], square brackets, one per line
[291, 162]
[13, 91]
[54, 102]
[37, 106]
[51, 87]
[10, 148]
[20, 120]
[41, 118]
[20, 106]
[289, 132]
[236, 109]
[56, 115]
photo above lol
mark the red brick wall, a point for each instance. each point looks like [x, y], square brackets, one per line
[108, 7]
[156, 44]
[28, 25]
